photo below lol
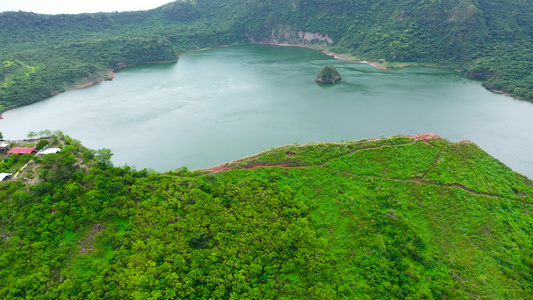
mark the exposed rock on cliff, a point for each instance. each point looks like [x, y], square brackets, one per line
[288, 35]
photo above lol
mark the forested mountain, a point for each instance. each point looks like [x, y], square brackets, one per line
[395, 218]
[489, 39]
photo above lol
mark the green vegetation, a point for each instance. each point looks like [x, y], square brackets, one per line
[53, 70]
[328, 74]
[45, 54]
[41, 144]
[393, 218]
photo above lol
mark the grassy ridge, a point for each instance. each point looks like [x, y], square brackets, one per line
[390, 218]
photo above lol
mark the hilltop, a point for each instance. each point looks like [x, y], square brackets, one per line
[42, 55]
[400, 217]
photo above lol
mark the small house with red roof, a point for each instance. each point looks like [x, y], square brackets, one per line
[22, 150]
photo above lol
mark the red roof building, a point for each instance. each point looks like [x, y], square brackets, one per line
[22, 150]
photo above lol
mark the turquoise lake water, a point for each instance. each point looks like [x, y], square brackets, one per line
[223, 104]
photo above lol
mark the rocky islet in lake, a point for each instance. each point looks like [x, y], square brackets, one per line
[328, 74]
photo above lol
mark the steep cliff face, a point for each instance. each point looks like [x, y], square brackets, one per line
[289, 35]
[373, 30]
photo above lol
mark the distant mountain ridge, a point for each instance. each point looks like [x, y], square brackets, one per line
[486, 39]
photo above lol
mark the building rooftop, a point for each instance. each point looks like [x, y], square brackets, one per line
[22, 150]
[49, 151]
[4, 176]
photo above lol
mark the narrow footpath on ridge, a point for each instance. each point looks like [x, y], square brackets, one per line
[422, 137]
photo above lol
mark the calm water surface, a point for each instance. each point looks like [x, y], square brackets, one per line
[223, 104]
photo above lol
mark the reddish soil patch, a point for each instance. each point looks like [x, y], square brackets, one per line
[424, 136]
[218, 168]
[465, 142]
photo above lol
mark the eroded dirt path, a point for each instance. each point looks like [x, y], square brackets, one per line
[426, 137]
[420, 137]
[416, 181]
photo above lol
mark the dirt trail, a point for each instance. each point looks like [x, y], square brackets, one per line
[367, 148]
[418, 137]
[226, 166]
[22, 169]
[435, 163]
[417, 181]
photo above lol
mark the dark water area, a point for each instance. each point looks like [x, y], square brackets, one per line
[223, 104]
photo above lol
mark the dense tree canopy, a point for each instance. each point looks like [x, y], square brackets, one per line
[394, 218]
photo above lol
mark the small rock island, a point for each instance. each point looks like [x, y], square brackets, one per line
[328, 74]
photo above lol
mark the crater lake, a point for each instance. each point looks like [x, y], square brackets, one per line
[223, 104]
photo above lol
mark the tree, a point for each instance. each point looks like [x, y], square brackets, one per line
[32, 134]
[103, 156]
[1, 136]
[42, 143]
[45, 133]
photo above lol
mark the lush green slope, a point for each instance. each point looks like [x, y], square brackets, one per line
[488, 39]
[393, 218]
[54, 69]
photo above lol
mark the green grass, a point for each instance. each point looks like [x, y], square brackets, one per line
[314, 154]
[470, 166]
[400, 162]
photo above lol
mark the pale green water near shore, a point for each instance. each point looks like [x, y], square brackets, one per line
[223, 104]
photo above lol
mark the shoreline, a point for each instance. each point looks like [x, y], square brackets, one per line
[328, 53]
[86, 84]
[400, 66]
[332, 54]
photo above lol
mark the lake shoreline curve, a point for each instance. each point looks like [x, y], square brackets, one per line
[329, 53]
[110, 77]
[379, 66]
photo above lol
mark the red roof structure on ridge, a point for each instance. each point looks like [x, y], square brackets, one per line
[22, 150]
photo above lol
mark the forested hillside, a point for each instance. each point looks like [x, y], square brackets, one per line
[489, 39]
[396, 218]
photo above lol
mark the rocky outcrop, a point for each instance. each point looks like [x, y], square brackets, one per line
[328, 74]
[309, 37]
[287, 35]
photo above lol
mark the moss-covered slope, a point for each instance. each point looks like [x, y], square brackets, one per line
[392, 218]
